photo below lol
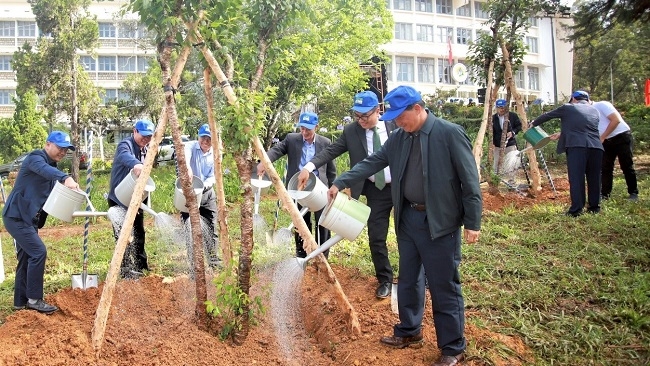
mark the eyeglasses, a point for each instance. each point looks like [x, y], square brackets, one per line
[365, 116]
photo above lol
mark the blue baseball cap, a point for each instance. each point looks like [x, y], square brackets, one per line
[204, 130]
[365, 102]
[501, 103]
[397, 100]
[308, 120]
[60, 139]
[144, 127]
[579, 95]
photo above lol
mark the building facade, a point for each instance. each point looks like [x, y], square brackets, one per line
[431, 39]
[428, 51]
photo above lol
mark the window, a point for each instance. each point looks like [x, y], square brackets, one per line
[533, 78]
[107, 63]
[443, 7]
[534, 22]
[387, 4]
[480, 10]
[482, 33]
[426, 70]
[404, 31]
[27, 29]
[110, 96]
[519, 78]
[88, 63]
[444, 33]
[444, 71]
[106, 30]
[123, 95]
[127, 31]
[464, 10]
[463, 35]
[424, 33]
[5, 63]
[126, 63]
[143, 63]
[404, 68]
[7, 29]
[531, 42]
[5, 96]
[424, 5]
[401, 4]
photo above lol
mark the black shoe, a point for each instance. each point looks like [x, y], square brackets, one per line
[383, 291]
[573, 214]
[19, 307]
[42, 307]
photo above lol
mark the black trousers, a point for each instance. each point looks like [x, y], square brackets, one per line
[208, 211]
[619, 146]
[584, 162]
[135, 257]
[380, 203]
[32, 254]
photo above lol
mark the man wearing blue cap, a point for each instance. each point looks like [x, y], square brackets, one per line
[580, 140]
[435, 190]
[300, 148]
[512, 125]
[360, 139]
[200, 163]
[129, 155]
[23, 215]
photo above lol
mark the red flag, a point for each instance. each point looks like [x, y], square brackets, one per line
[450, 57]
[647, 93]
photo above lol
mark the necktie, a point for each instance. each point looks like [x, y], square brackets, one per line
[380, 179]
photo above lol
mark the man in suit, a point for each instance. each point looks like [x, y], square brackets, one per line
[23, 215]
[435, 190]
[513, 126]
[300, 148]
[580, 140]
[129, 155]
[358, 139]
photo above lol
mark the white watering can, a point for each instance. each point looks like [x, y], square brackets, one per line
[65, 204]
[124, 191]
[343, 215]
[179, 198]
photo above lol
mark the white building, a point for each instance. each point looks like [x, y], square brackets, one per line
[425, 30]
[419, 53]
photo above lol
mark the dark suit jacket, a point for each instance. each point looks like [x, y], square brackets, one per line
[353, 140]
[451, 187]
[127, 155]
[514, 126]
[578, 125]
[292, 147]
[35, 181]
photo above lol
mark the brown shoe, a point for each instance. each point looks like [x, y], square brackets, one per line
[401, 342]
[450, 360]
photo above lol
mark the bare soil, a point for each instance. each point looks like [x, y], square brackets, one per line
[152, 322]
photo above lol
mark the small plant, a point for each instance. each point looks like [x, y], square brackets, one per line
[229, 305]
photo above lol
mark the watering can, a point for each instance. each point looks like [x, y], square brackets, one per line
[65, 204]
[313, 195]
[179, 198]
[124, 191]
[537, 137]
[343, 215]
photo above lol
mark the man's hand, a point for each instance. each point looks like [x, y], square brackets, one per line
[332, 192]
[555, 136]
[260, 169]
[303, 178]
[137, 169]
[70, 183]
[471, 236]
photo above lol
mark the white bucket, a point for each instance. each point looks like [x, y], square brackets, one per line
[63, 202]
[124, 190]
[313, 196]
[179, 197]
[345, 216]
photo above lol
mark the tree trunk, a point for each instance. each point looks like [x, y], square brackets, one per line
[217, 150]
[478, 143]
[510, 83]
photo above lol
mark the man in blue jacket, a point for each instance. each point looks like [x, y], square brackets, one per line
[23, 215]
[435, 190]
[130, 155]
